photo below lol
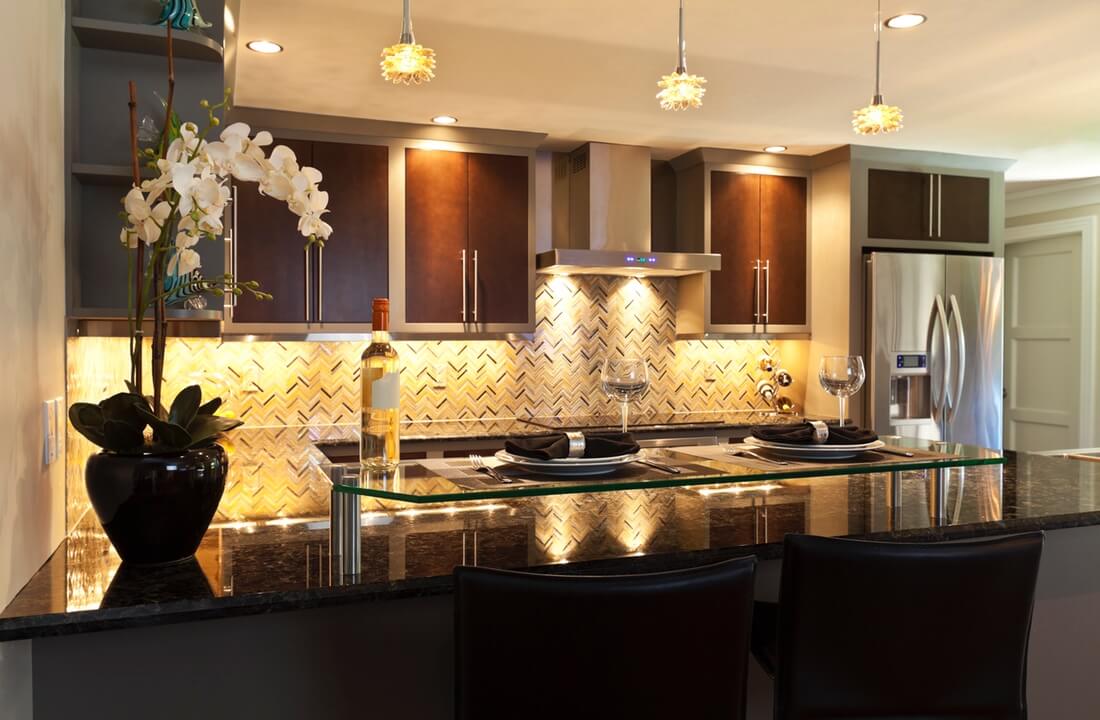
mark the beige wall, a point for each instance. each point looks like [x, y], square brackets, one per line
[830, 209]
[32, 282]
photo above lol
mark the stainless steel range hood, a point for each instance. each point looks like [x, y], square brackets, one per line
[601, 218]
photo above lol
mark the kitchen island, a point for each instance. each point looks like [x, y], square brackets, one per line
[381, 640]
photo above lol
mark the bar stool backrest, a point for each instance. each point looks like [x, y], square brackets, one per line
[664, 645]
[875, 630]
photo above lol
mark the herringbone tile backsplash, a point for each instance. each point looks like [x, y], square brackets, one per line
[580, 321]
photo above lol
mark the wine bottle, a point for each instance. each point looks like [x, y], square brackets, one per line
[379, 444]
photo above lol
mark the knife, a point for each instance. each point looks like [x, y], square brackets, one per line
[660, 466]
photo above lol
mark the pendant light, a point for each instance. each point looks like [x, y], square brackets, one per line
[408, 62]
[680, 90]
[878, 117]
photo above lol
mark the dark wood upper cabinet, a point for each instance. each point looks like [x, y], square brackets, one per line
[269, 249]
[500, 261]
[783, 248]
[963, 209]
[899, 205]
[436, 220]
[735, 235]
[467, 252]
[758, 219]
[353, 267]
[927, 206]
[331, 285]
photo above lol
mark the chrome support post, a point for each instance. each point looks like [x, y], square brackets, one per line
[345, 544]
[937, 496]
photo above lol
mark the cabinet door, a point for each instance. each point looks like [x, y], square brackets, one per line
[498, 234]
[269, 249]
[783, 247]
[735, 235]
[436, 226]
[963, 208]
[353, 267]
[899, 205]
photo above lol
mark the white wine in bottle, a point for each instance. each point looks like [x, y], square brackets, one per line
[379, 444]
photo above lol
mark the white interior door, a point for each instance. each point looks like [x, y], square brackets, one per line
[1043, 339]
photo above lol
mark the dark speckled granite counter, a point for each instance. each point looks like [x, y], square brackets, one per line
[283, 563]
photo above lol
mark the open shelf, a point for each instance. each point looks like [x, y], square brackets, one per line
[147, 39]
[93, 174]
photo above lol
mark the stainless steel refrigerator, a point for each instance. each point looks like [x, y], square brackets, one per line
[935, 346]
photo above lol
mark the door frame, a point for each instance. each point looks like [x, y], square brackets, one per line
[1087, 229]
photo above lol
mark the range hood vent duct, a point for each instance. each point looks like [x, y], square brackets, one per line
[601, 218]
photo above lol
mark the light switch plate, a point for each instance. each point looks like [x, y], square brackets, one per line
[59, 418]
[51, 429]
[439, 376]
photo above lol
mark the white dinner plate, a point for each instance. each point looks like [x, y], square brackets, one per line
[814, 452]
[569, 466]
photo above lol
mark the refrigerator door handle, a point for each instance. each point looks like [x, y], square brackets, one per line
[960, 349]
[937, 321]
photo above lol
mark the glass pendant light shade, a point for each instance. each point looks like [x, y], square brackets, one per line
[408, 62]
[681, 90]
[878, 117]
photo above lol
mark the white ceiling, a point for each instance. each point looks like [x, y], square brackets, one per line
[1007, 78]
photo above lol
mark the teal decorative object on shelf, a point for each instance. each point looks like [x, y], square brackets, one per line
[182, 14]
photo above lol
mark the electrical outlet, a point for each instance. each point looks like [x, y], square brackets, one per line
[59, 418]
[49, 431]
[711, 372]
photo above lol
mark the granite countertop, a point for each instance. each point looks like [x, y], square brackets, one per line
[281, 562]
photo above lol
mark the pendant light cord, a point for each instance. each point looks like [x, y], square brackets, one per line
[681, 67]
[878, 53]
[407, 37]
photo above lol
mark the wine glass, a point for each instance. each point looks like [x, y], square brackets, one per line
[842, 376]
[624, 380]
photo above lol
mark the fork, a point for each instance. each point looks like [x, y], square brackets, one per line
[749, 453]
[479, 465]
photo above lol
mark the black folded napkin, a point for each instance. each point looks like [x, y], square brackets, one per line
[554, 447]
[804, 434]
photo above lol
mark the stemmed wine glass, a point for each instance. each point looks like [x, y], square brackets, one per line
[842, 376]
[624, 380]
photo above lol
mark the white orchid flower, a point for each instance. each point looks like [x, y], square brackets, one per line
[146, 221]
[311, 224]
[284, 160]
[184, 262]
[276, 185]
[155, 187]
[248, 168]
[207, 193]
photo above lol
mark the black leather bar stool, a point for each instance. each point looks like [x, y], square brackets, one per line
[664, 645]
[880, 631]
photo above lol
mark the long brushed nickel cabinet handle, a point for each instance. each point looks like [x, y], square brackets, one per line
[321, 284]
[463, 285]
[475, 285]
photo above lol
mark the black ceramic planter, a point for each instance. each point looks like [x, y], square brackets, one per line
[156, 508]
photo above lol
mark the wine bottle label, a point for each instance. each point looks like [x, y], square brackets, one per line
[386, 392]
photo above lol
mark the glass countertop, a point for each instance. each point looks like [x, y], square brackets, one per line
[455, 480]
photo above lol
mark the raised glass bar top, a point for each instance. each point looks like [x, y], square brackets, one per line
[454, 479]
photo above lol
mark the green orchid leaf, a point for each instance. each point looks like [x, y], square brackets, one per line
[88, 421]
[210, 408]
[122, 437]
[165, 433]
[205, 428]
[185, 406]
[122, 407]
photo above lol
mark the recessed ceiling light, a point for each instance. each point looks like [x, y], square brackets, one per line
[776, 148]
[444, 119]
[905, 21]
[266, 47]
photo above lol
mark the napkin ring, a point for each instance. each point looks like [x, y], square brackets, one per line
[821, 432]
[576, 444]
